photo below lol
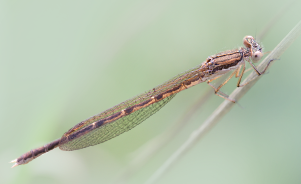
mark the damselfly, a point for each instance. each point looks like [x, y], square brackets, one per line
[130, 113]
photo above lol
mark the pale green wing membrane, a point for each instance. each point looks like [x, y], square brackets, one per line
[113, 129]
[90, 135]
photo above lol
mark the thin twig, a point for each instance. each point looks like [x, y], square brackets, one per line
[225, 106]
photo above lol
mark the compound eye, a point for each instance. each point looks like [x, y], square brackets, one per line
[256, 56]
[247, 40]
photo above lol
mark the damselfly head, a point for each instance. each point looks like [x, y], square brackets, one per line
[255, 48]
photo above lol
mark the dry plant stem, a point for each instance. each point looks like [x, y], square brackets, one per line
[225, 106]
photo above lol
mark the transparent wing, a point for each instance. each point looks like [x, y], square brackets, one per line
[136, 100]
[115, 128]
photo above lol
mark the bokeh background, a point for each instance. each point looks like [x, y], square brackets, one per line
[64, 61]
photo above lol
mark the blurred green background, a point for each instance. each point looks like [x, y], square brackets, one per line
[64, 61]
